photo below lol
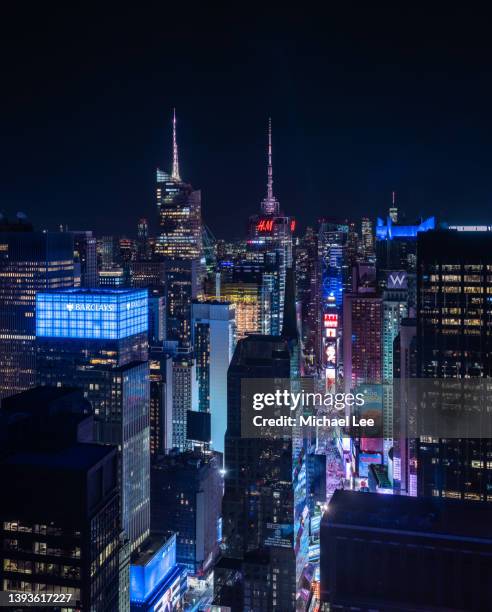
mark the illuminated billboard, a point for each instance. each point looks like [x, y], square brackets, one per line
[146, 576]
[106, 314]
[365, 459]
[330, 325]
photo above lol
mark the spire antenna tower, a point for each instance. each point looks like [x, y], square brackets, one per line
[175, 172]
[269, 204]
[270, 167]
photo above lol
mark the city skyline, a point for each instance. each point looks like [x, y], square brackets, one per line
[353, 119]
[245, 309]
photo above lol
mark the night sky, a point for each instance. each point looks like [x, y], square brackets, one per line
[363, 101]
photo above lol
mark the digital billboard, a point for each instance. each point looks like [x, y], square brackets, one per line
[109, 314]
[145, 577]
[365, 459]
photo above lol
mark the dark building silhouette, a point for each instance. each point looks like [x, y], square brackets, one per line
[186, 499]
[85, 259]
[401, 554]
[59, 523]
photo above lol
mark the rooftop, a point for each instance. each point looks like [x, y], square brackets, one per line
[78, 457]
[419, 515]
[152, 545]
[102, 291]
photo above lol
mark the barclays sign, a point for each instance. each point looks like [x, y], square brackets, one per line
[87, 307]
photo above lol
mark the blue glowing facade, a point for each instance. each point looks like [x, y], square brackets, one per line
[109, 314]
[157, 582]
[389, 230]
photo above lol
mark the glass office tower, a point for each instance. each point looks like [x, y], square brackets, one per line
[97, 340]
[454, 342]
[29, 261]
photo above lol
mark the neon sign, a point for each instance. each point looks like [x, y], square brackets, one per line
[330, 320]
[265, 225]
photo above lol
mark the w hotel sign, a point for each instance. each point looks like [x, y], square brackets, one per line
[397, 280]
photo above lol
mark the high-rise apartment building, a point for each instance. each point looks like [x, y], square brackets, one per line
[30, 261]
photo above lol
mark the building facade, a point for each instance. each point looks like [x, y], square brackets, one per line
[30, 261]
[97, 340]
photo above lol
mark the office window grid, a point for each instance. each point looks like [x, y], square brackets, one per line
[103, 315]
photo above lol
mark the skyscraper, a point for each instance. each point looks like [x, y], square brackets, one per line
[179, 213]
[270, 238]
[65, 542]
[265, 511]
[213, 331]
[362, 330]
[395, 309]
[161, 401]
[335, 277]
[258, 507]
[184, 397]
[186, 498]
[308, 293]
[182, 286]
[367, 240]
[410, 554]
[396, 253]
[30, 261]
[245, 285]
[454, 341]
[85, 258]
[143, 244]
[97, 340]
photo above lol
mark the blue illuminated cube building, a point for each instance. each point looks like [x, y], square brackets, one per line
[96, 339]
[93, 314]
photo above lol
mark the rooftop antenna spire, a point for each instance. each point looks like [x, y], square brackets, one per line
[175, 172]
[269, 204]
[393, 197]
[270, 168]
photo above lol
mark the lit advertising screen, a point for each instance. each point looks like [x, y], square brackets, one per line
[365, 459]
[145, 578]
